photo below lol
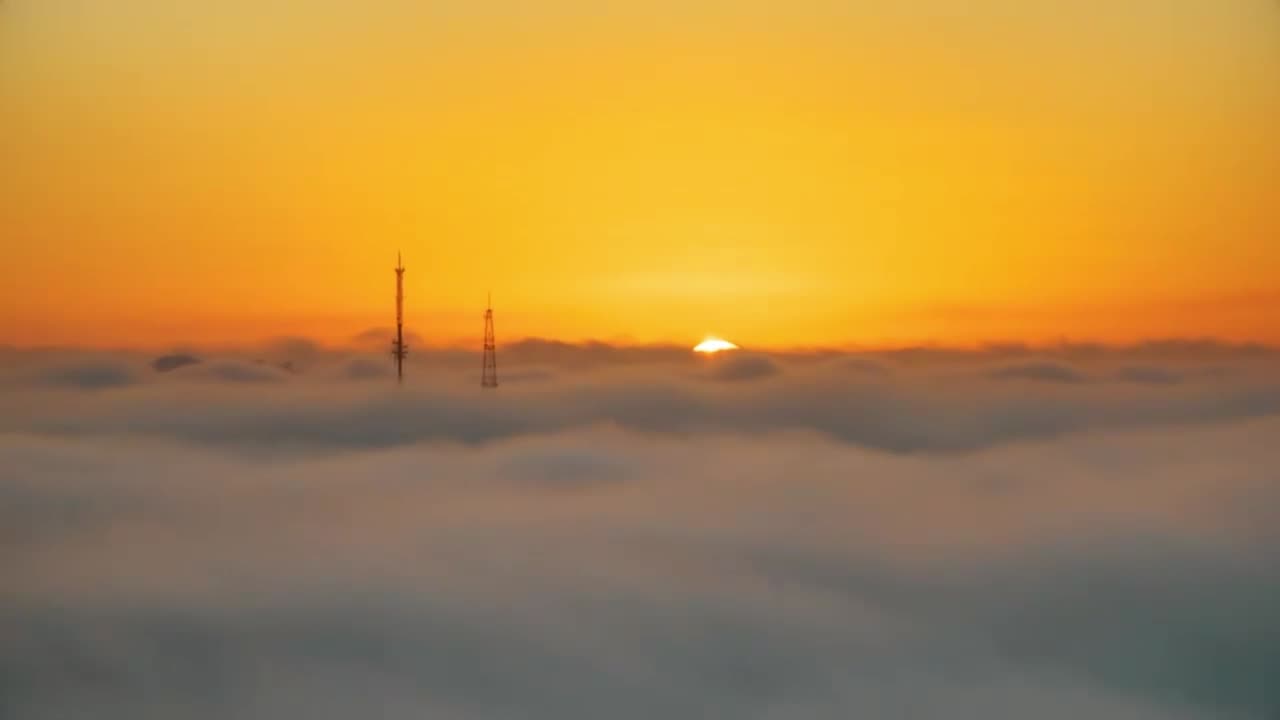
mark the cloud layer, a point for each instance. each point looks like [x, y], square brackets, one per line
[634, 533]
[909, 401]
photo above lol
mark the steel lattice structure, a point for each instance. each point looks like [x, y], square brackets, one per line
[489, 374]
[398, 348]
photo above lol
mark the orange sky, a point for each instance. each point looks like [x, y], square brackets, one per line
[829, 173]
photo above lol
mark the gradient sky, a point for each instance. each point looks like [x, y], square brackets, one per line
[802, 173]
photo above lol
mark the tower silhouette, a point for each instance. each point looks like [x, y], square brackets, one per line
[398, 348]
[489, 375]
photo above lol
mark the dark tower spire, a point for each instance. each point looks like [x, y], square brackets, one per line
[398, 348]
[489, 375]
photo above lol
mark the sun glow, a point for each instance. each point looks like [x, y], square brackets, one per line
[714, 345]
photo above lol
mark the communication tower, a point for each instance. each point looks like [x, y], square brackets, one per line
[489, 375]
[398, 348]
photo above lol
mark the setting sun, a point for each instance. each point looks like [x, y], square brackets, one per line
[714, 345]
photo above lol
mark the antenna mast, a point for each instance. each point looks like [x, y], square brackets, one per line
[489, 374]
[398, 348]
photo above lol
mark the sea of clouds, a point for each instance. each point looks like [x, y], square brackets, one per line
[620, 532]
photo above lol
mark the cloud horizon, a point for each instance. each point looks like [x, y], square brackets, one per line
[999, 533]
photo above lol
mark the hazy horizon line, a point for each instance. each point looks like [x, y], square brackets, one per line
[416, 343]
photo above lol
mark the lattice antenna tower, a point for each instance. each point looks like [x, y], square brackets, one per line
[489, 375]
[398, 349]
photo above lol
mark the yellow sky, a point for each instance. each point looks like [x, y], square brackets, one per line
[832, 172]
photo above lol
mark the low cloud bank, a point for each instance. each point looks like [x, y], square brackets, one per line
[604, 573]
[634, 533]
[292, 394]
